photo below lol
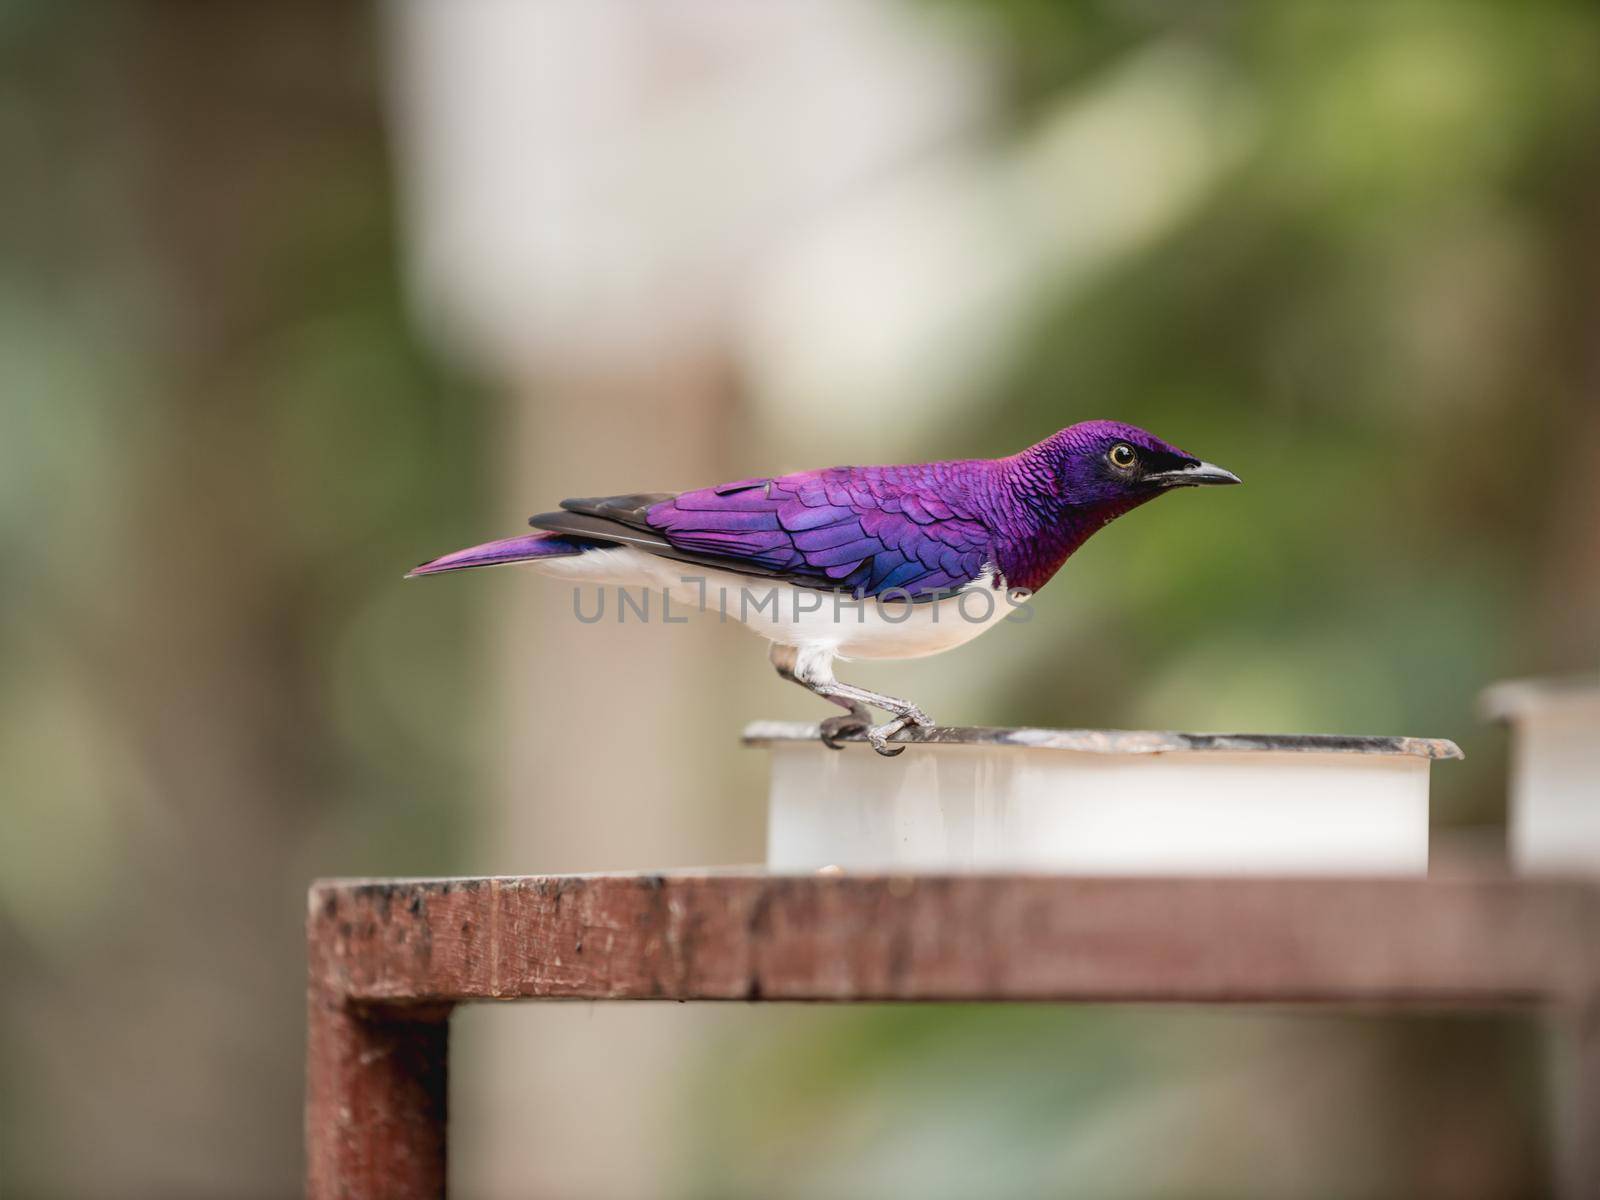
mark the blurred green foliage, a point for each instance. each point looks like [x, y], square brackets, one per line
[1042, 1100]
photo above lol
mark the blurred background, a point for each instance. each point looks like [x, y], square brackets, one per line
[295, 295]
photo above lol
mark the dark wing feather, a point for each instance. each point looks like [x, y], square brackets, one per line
[607, 531]
[583, 524]
[864, 530]
[629, 510]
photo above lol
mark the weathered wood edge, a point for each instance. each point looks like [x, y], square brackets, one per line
[749, 936]
[1137, 742]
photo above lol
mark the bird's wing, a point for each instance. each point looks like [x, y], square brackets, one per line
[867, 531]
[583, 519]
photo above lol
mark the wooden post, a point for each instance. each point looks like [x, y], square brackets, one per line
[376, 1072]
[375, 1101]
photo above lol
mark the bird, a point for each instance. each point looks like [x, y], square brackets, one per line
[886, 562]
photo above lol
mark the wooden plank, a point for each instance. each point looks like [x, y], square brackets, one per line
[389, 958]
[859, 937]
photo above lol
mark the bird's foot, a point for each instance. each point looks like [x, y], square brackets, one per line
[834, 728]
[879, 735]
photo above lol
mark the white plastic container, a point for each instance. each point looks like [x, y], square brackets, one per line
[1092, 802]
[1555, 773]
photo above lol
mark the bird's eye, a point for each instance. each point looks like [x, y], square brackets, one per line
[1122, 456]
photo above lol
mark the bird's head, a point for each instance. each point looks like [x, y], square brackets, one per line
[1076, 481]
[1110, 466]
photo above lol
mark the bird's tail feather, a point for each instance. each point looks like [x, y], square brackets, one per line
[507, 550]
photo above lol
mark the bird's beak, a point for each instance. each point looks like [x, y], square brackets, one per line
[1198, 475]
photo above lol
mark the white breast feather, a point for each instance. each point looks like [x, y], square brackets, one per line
[797, 616]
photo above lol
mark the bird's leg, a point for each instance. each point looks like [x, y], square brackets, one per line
[812, 669]
[905, 713]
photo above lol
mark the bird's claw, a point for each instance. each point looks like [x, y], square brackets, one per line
[836, 727]
[879, 735]
[880, 740]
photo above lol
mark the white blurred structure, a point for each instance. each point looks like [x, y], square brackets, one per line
[1555, 772]
[1103, 802]
[602, 178]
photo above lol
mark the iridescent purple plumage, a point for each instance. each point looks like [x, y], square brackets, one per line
[927, 529]
[866, 530]
[923, 532]
[526, 548]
